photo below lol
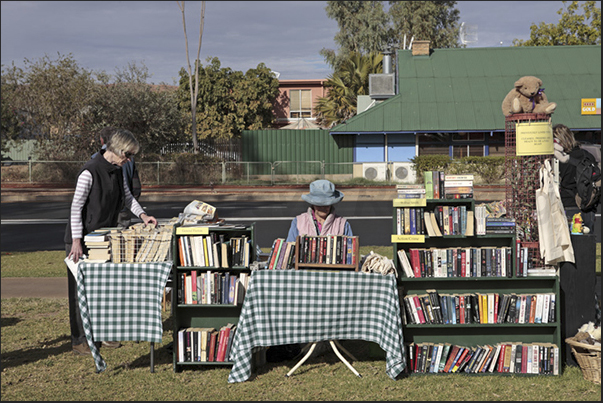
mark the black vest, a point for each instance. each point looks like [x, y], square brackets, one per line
[106, 198]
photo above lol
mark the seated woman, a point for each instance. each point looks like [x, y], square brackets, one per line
[320, 218]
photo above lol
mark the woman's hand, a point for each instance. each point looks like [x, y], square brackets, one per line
[148, 219]
[76, 250]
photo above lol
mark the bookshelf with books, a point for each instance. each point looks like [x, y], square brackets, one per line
[211, 273]
[330, 252]
[464, 290]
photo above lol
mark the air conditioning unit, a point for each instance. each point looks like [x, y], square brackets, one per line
[403, 172]
[381, 86]
[375, 171]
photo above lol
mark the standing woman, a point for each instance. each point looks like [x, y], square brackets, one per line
[100, 195]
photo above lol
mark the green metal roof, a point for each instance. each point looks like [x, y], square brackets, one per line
[462, 89]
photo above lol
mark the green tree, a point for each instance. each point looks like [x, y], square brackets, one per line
[229, 101]
[435, 21]
[351, 80]
[52, 99]
[10, 123]
[150, 112]
[63, 106]
[363, 28]
[572, 29]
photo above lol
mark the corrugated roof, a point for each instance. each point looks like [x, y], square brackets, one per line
[463, 89]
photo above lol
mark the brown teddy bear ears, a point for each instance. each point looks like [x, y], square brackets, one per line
[520, 82]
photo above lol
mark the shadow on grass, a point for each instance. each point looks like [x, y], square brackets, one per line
[6, 322]
[19, 357]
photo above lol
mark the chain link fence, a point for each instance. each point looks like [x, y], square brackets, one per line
[179, 173]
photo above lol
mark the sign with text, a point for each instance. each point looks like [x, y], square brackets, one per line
[591, 106]
[534, 139]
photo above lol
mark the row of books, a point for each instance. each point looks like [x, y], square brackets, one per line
[214, 250]
[282, 255]
[442, 220]
[205, 344]
[479, 308]
[505, 357]
[209, 287]
[486, 224]
[328, 249]
[482, 261]
[439, 185]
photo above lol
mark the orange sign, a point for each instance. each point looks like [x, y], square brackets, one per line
[591, 106]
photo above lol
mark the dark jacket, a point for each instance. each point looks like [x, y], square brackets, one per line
[106, 198]
[567, 179]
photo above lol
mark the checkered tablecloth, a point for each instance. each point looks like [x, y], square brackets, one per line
[121, 301]
[299, 306]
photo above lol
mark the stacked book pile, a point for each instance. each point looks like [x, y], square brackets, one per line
[98, 245]
[458, 186]
[411, 191]
[500, 225]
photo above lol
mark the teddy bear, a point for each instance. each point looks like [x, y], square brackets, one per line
[527, 97]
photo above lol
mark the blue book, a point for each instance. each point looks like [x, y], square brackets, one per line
[413, 221]
[444, 306]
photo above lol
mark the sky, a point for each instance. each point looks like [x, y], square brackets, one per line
[286, 36]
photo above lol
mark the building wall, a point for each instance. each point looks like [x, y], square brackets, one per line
[281, 106]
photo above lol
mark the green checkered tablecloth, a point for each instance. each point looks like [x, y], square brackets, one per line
[121, 301]
[299, 306]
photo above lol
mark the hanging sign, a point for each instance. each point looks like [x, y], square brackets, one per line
[591, 106]
[535, 138]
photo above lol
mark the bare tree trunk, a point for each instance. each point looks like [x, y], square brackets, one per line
[195, 91]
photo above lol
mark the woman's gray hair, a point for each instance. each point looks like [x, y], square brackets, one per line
[123, 141]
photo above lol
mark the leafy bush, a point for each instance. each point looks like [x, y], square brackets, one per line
[485, 169]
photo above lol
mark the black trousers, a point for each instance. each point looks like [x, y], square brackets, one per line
[578, 296]
[75, 318]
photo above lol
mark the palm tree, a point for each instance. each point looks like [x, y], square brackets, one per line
[344, 86]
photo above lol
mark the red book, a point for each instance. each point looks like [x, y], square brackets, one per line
[275, 249]
[419, 308]
[181, 247]
[414, 261]
[461, 318]
[463, 263]
[501, 359]
[460, 360]
[453, 354]
[194, 286]
[223, 343]
[524, 359]
[213, 336]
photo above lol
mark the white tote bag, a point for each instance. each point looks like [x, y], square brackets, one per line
[553, 230]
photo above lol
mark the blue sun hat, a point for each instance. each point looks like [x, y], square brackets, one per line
[323, 193]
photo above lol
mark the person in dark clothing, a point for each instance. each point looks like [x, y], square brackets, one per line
[566, 146]
[131, 178]
[99, 196]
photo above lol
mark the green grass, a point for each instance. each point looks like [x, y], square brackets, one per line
[37, 364]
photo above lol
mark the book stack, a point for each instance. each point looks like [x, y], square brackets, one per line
[411, 191]
[205, 344]
[458, 186]
[98, 245]
[500, 225]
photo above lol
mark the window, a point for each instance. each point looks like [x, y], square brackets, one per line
[433, 143]
[300, 105]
